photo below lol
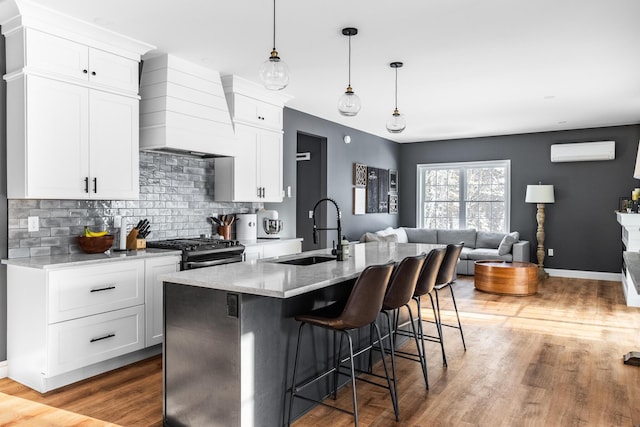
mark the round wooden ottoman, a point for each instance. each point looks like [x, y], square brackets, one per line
[506, 278]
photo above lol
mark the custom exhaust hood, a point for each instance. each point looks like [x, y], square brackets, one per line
[183, 109]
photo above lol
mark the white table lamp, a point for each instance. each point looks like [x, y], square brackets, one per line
[540, 194]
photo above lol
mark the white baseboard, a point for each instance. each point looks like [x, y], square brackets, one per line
[4, 369]
[579, 274]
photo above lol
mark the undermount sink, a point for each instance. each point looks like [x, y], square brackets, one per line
[310, 260]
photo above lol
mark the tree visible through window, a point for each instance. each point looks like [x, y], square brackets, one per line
[464, 195]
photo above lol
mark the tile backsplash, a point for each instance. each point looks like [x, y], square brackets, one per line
[176, 196]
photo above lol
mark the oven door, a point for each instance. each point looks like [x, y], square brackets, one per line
[190, 265]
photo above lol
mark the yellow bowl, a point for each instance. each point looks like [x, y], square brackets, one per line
[95, 245]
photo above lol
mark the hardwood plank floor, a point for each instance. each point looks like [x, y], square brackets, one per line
[554, 358]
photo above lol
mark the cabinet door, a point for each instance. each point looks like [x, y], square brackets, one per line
[259, 113]
[56, 139]
[245, 171]
[55, 55]
[270, 168]
[113, 71]
[113, 155]
[153, 296]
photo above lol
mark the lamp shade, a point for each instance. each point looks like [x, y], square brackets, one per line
[539, 194]
[636, 172]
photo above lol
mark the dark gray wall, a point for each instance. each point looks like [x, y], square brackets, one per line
[581, 225]
[364, 148]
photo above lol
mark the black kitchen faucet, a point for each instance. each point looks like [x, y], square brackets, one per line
[338, 249]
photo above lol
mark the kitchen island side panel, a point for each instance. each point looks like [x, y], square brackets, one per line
[201, 358]
[251, 387]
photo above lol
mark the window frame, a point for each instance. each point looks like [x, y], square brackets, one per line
[464, 166]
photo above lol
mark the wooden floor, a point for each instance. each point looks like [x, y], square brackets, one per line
[552, 359]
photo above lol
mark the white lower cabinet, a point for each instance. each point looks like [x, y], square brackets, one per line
[153, 296]
[65, 324]
[87, 340]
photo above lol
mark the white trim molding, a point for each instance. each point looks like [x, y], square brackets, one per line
[4, 369]
[579, 274]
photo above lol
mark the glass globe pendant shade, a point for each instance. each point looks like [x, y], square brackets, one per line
[274, 73]
[396, 123]
[349, 103]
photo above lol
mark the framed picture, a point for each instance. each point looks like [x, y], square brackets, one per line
[373, 190]
[359, 200]
[393, 181]
[393, 204]
[359, 175]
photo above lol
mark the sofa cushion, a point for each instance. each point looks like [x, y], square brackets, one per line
[447, 237]
[373, 237]
[507, 242]
[422, 235]
[399, 232]
[464, 254]
[486, 239]
[484, 253]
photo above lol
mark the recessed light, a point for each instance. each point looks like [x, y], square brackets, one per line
[550, 97]
[562, 122]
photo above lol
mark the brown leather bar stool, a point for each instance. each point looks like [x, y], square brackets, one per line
[425, 286]
[446, 279]
[361, 309]
[399, 293]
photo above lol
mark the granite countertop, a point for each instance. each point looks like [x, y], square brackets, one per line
[268, 278]
[80, 259]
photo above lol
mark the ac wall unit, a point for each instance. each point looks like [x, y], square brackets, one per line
[583, 151]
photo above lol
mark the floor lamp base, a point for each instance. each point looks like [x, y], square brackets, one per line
[542, 274]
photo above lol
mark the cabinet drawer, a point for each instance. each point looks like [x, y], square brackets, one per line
[81, 342]
[91, 290]
[256, 112]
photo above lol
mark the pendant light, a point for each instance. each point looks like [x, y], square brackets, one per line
[274, 72]
[349, 103]
[396, 123]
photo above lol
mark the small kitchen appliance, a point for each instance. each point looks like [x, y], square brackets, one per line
[269, 226]
[246, 227]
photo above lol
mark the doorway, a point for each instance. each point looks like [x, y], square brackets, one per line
[311, 180]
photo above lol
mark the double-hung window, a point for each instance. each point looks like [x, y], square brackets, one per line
[464, 195]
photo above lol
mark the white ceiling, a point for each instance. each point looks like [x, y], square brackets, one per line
[472, 68]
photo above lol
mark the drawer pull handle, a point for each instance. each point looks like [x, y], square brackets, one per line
[102, 338]
[103, 289]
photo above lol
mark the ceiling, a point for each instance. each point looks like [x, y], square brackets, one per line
[472, 68]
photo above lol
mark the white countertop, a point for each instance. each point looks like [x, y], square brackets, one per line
[70, 260]
[268, 278]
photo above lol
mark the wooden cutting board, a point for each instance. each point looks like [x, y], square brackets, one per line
[18, 412]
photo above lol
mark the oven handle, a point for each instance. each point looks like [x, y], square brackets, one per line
[199, 264]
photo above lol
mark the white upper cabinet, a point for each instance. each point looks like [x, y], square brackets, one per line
[255, 112]
[255, 173]
[73, 125]
[62, 58]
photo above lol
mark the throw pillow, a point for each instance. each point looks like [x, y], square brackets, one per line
[399, 232]
[373, 237]
[507, 242]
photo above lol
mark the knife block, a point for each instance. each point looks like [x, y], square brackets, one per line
[133, 242]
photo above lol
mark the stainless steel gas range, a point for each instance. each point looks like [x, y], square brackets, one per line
[198, 252]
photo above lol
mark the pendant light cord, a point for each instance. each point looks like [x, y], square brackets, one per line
[274, 24]
[349, 60]
[396, 88]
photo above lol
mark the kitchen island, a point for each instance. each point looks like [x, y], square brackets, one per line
[230, 333]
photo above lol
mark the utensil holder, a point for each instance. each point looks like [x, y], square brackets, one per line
[134, 243]
[225, 231]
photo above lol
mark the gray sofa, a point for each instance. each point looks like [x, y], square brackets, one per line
[478, 245]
